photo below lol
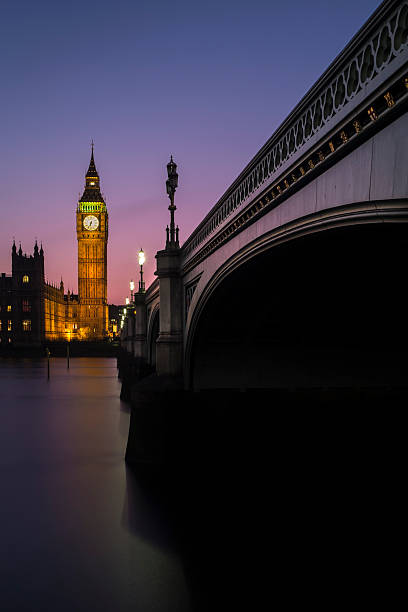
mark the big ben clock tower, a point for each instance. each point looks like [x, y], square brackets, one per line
[92, 235]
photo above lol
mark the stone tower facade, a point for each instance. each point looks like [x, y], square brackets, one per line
[92, 235]
[32, 310]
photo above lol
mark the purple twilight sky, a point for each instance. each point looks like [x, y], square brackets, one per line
[206, 81]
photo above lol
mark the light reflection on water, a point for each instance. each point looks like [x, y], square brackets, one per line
[76, 530]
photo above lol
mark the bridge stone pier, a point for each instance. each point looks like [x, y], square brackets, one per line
[295, 278]
[169, 351]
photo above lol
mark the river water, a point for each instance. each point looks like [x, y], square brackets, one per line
[266, 503]
[77, 531]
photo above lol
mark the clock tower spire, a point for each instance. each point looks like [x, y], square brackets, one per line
[92, 191]
[92, 235]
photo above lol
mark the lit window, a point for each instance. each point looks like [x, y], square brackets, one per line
[26, 325]
[1, 324]
[26, 306]
[75, 326]
[9, 308]
[26, 279]
[9, 325]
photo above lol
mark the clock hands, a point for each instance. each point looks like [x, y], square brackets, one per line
[91, 223]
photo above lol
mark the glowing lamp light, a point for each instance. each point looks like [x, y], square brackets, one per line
[132, 285]
[142, 259]
[124, 310]
[127, 301]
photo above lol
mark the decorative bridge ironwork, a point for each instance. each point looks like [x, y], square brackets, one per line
[365, 84]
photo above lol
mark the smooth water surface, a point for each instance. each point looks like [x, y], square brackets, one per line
[76, 530]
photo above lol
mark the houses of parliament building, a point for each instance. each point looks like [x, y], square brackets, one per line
[33, 311]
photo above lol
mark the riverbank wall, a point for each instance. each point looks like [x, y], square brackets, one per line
[59, 349]
[174, 429]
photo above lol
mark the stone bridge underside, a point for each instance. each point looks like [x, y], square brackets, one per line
[324, 310]
[295, 276]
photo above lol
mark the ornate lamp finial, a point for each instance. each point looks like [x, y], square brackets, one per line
[171, 186]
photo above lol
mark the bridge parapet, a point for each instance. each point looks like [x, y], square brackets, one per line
[364, 85]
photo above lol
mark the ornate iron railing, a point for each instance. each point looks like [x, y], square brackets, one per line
[378, 50]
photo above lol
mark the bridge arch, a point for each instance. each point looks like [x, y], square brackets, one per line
[244, 283]
[153, 329]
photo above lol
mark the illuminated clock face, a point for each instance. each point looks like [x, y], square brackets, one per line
[91, 223]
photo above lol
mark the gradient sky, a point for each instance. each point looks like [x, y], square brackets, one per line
[206, 81]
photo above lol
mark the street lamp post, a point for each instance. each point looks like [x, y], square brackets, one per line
[171, 186]
[132, 288]
[142, 259]
[169, 346]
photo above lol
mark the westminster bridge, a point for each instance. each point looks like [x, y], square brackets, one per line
[296, 275]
